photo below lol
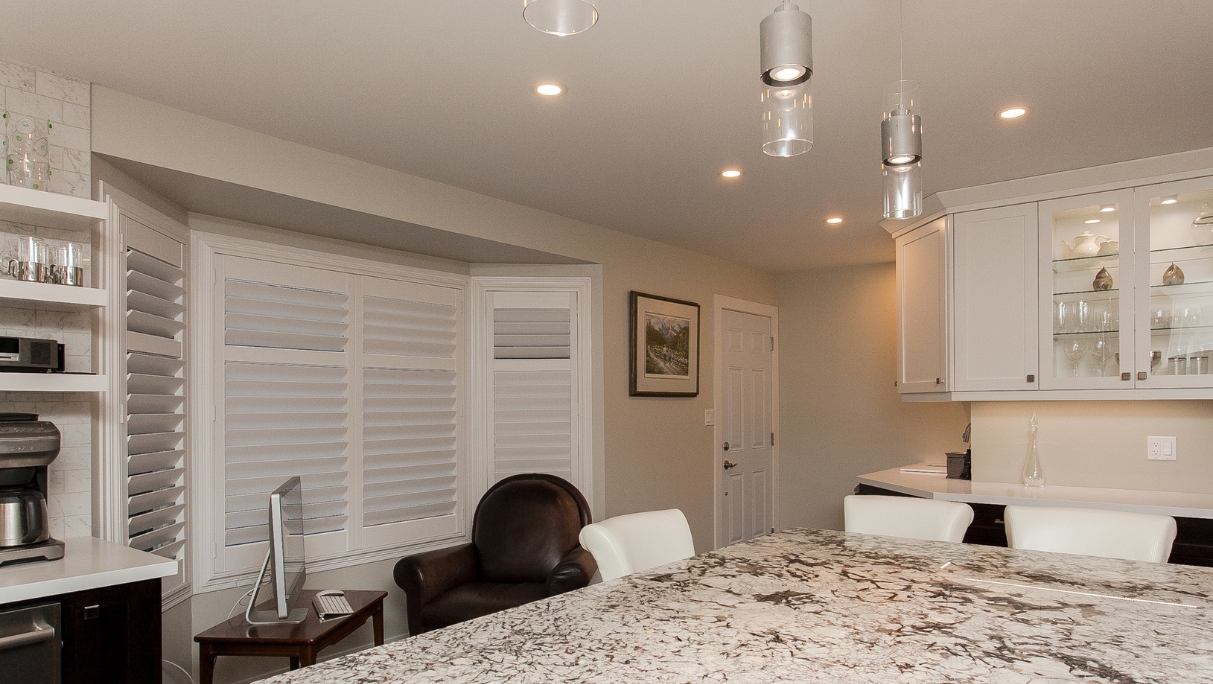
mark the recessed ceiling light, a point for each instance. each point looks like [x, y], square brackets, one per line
[1170, 199]
[731, 173]
[783, 74]
[1013, 112]
[549, 89]
[1108, 208]
[834, 220]
[1091, 221]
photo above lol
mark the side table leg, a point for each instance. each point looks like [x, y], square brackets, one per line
[294, 662]
[206, 664]
[307, 656]
[377, 624]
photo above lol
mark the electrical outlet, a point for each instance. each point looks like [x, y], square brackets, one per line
[1161, 449]
[709, 417]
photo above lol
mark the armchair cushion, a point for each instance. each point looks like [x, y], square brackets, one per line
[523, 529]
[471, 600]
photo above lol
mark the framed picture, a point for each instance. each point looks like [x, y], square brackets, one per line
[665, 347]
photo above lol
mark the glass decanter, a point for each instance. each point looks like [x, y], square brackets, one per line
[1033, 473]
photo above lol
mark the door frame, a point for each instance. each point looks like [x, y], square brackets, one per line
[720, 303]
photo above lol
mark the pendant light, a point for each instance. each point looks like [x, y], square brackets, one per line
[786, 66]
[901, 145]
[560, 17]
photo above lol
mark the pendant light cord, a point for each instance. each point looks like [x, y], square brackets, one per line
[901, 36]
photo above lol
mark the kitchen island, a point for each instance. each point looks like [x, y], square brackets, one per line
[818, 606]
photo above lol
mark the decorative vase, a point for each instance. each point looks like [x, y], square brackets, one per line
[1202, 226]
[1103, 280]
[1033, 473]
[1174, 275]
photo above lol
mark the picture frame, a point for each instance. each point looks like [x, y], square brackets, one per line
[664, 353]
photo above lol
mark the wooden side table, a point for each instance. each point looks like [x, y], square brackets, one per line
[301, 643]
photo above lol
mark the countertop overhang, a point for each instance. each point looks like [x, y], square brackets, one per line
[87, 563]
[1177, 504]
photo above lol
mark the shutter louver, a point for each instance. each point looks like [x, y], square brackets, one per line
[286, 397]
[532, 422]
[409, 410]
[408, 445]
[531, 333]
[155, 417]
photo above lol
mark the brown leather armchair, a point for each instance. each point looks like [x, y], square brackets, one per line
[524, 548]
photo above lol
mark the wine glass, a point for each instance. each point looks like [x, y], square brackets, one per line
[1101, 353]
[1082, 316]
[1061, 316]
[1075, 350]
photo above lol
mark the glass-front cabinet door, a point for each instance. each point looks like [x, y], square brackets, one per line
[1174, 276]
[1086, 288]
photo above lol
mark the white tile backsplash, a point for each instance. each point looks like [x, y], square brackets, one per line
[66, 103]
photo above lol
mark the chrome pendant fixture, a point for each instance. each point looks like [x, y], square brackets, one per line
[560, 17]
[786, 67]
[901, 147]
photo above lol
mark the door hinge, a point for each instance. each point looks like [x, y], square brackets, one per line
[772, 439]
[772, 344]
[214, 549]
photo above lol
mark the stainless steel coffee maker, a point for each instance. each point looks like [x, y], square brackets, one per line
[27, 447]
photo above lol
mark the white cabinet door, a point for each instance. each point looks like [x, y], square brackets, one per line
[922, 309]
[995, 285]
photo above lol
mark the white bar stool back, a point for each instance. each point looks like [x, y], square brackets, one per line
[638, 541]
[909, 517]
[1091, 532]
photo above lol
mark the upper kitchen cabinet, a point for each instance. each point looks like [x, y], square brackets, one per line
[922, 297]
[1089, 284]
[1086, 292]
[1174, 284]
[994, 286]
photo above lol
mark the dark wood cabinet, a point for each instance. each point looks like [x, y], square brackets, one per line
[112, 634]
[1193, 539]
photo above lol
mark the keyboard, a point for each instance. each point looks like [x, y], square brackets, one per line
[331, 605]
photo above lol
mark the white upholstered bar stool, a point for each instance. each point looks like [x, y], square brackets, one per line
[1090, 532]
[909, 517]
[638, 541]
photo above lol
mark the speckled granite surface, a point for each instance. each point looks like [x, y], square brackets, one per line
[815, 606]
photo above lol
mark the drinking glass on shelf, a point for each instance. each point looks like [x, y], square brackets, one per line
[1075, 349]
[1160, 317]
[1082, 316]
[29, 260]
[69, 264]
[1155, 360]
[1101, 353]
[1061, 316]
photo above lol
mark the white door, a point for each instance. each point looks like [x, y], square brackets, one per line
[995, 286]
[747, 426]
[922, 306]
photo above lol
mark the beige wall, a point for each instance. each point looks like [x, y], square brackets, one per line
[1097, 443]
[840, 415]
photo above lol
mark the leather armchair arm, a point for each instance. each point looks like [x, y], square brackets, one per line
[426, 575]
[574, 571]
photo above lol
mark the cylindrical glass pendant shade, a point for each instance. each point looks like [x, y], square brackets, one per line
[560, 17]
[787, 120]
[900, 126]
[902, 191]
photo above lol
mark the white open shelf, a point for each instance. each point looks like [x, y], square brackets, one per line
[22, 205]
[52, 382]
[23, 295]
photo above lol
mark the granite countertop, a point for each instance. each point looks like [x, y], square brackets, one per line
[817, 606]
[1179, 504]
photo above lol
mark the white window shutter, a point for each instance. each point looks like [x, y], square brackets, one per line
[285, 381]
[410, 411]
[155, 294]
[533, 425]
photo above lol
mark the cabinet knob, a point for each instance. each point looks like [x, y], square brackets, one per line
[1141, 375]
[1031, 378]
[1126, 376]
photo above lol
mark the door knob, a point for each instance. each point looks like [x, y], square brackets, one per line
[726, 446]
[729, 464]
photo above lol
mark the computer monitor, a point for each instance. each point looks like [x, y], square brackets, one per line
[284, 561]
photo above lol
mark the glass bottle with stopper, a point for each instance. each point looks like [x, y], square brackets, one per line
[1033, 473]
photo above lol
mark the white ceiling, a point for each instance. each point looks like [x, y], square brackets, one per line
[662, 95]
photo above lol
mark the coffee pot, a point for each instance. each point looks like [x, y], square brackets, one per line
[27, 447]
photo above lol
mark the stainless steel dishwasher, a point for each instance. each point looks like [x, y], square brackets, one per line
[30, 644]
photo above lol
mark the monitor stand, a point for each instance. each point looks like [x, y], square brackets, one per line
[270, 617]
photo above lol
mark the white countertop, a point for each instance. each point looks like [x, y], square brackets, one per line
[1179, 504]
[87, 563]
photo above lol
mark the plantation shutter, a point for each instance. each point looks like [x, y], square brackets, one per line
[534, 425]
[285, 375]
[410, 444]
[155, 394]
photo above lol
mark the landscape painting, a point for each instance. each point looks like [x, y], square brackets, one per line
[665, 347]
